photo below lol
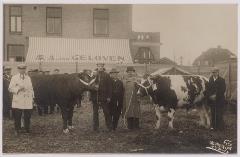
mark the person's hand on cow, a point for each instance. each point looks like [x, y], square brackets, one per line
[96, 86]
[108, 100]
[213, 97]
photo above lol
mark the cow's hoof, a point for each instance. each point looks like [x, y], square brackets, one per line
[71, 127]
[65, 131]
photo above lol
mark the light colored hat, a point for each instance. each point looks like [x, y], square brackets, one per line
[7, 68]
[22, 66]
[215, 69]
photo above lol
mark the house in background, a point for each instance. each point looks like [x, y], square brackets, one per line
[213, 56]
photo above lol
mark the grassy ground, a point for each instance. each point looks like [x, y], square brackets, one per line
[47, 136]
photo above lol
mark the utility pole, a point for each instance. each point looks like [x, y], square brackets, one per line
[181, 60]
[160, 44]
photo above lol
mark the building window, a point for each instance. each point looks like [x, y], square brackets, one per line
[15, 13]
[101, 22]
[144, 55]
[16, 53]
[54, 20]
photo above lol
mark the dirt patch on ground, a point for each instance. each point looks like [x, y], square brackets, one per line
[47, 136]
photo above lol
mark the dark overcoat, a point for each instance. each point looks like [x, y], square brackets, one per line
[218, 88]
[105, 87]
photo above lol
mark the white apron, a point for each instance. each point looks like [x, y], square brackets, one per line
[22, 92]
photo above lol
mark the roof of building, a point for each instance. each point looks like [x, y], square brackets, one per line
[166, 60]
[171, 71]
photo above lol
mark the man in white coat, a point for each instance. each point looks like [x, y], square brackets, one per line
[21, 88]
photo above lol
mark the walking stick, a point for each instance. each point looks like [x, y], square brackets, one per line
[124, 117]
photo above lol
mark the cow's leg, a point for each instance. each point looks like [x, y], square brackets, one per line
[206, 116]
[171, 116]
[201, 115]
[158, 115]
[70, 115]
[64, 117]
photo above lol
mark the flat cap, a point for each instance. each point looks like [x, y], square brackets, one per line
[113, 70]
[130, 68]
[22, 66]
[215, 69]
[7, 68]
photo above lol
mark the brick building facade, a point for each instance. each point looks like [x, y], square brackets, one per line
[80, 21]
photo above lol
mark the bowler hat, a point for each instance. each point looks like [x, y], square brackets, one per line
[101, 64]
[87, 70]
[22, 66]
[130, 68]
[114, 70]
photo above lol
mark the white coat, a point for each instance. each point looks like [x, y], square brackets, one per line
[22, 92]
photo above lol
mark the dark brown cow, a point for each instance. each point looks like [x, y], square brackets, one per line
[59, 89]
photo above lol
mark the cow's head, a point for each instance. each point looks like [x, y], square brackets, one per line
[145, 87]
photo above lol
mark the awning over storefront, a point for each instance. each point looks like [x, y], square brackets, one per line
[83, 50]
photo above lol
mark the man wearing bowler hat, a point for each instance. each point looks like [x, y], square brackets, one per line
[101, 97]
[131, 104]
[22, 90]
[216, 99]
[117, 97]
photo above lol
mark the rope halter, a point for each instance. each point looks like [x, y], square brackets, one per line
[147, 87]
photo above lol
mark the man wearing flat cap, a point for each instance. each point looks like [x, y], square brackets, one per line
[131, 104]
[22, 90]
[117, 97]
[216, 99]
[101, 97]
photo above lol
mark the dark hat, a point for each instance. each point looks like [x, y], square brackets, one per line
[130, 68]
[22, 66]
[215, 69]
[56, 69]
[86, 70]
[35, 70]
[114, 70]
[101, 64]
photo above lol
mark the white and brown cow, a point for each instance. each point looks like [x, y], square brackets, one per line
[170, 92]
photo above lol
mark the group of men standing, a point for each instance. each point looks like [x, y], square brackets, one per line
[115, 96]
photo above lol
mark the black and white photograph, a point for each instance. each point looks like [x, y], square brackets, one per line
[126, 78]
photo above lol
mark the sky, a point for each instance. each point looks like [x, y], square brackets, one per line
[188, 30]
